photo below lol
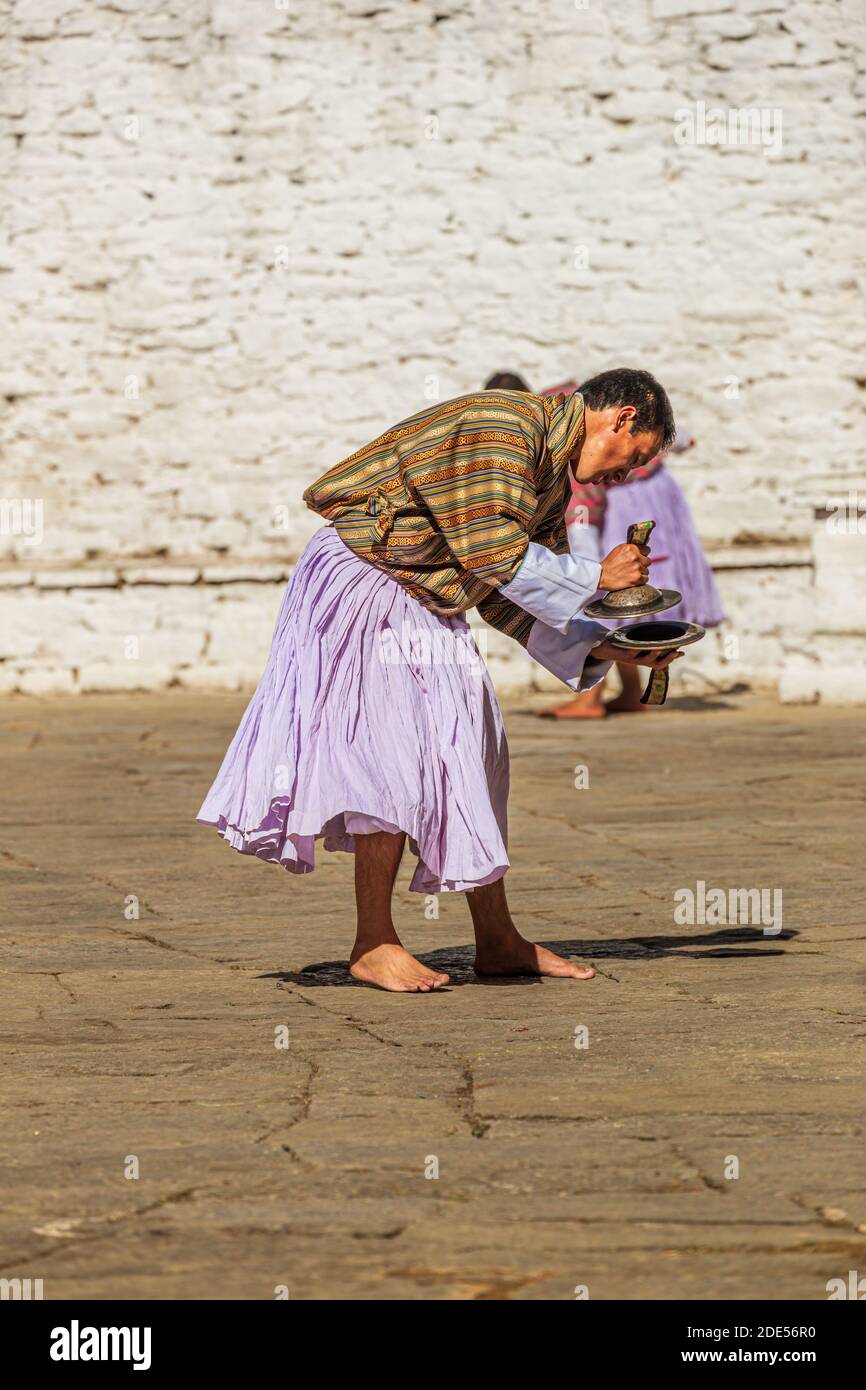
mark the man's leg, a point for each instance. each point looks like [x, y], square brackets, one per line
[377, 956]
[587, 705]
[628, 702]
[499, 947]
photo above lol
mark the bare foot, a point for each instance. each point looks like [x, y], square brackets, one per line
[575, 709]
[625, 704]
[516, 956]
[391, 967]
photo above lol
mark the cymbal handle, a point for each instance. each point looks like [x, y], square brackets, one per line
[656, 688]
[639, 533]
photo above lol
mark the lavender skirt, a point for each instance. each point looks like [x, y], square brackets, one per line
[660, 498]
[372, 714]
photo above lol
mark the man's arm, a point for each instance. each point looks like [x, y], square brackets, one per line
[565, 655]
[554, 588]
[477, 479]
[478, 482]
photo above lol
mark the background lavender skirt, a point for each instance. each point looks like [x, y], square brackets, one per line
[372, 714]
[660, 498]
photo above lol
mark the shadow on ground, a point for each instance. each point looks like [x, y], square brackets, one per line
[725, 699]
[456, 961]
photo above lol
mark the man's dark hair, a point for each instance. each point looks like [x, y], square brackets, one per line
[626, 386]
[505, 381]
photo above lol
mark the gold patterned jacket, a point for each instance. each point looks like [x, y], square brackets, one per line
[448, 501]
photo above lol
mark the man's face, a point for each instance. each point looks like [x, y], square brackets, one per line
[610, 451]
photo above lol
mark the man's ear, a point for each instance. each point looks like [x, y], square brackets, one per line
[624, 417]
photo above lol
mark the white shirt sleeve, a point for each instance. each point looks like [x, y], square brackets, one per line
[564, 654]
[554, 588]
[584, 540]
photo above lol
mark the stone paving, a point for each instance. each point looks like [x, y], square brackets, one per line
[150, 1044]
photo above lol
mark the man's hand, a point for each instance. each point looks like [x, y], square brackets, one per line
[624, 566]
[658, 660]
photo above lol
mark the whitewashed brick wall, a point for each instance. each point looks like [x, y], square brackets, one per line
[240, 237]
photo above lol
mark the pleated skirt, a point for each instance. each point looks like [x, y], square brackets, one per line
[373, 713]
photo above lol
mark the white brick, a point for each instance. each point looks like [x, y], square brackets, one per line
[676, 9]
[214, 676]
[76, 579]
[411, 260]
[800, 682]
[45, 680]
[106, 678]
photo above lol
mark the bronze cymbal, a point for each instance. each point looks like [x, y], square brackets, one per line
[656, 636]
[633, 603]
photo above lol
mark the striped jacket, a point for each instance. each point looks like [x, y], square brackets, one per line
[448, 501]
